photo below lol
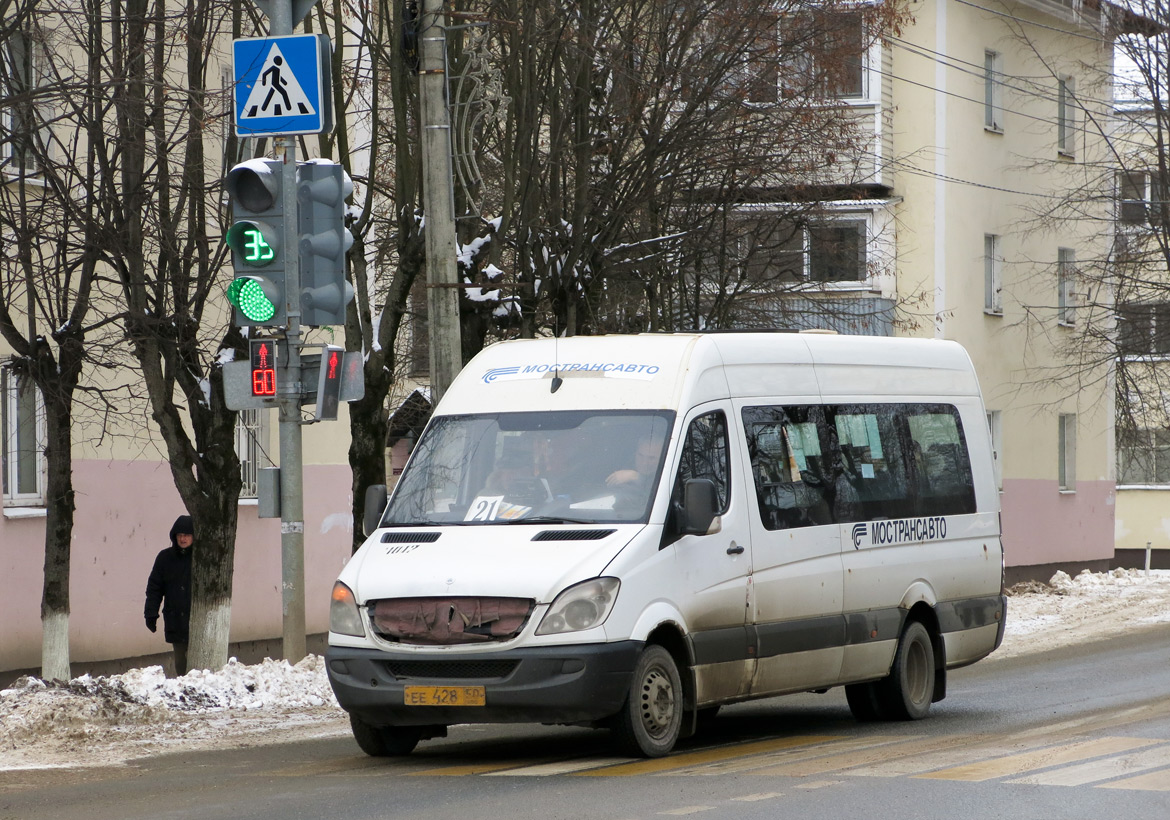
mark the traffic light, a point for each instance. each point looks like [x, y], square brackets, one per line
[323, 240]
[329, 382]
[255, 238]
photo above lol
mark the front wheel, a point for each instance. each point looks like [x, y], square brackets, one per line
[651, 718]
[907, 692]
[384, 741]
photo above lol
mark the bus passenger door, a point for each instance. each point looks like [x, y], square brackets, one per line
[796, 589]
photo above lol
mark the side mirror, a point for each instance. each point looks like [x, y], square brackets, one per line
[375, 505]
[700, 510]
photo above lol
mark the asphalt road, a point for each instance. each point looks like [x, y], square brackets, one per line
[1070, 734]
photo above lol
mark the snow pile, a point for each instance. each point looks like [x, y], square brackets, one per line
[109, 720]
[1091, 606]
[103, 720]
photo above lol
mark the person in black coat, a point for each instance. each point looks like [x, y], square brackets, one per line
[170, 585]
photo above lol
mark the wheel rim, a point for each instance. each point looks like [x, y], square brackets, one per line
[918, 673]
[657, 702]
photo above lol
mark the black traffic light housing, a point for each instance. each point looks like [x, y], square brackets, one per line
[323, 241]
[256, 237]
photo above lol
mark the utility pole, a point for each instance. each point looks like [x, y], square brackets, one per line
[446, 358]
[292, 495]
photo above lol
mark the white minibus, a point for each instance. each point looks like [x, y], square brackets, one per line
[630, 531]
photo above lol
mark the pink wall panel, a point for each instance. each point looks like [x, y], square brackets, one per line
[1042, 525]
[124, 512]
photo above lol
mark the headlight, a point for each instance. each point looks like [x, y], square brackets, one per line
[582, 606]
[344, 618]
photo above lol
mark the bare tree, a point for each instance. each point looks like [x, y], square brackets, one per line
[55, 225]
[636, 139]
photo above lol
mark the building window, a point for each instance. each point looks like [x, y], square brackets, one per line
[22, 424]
[1143, 457]
[1144, 330]
[992, 275]
[252, 448]
[995, 427]
[1065, 280]
[836, 251]
[18, 126]
[1067, 455]
[1131, 196]
[1066, 120]
[825, 51]
[993, 91]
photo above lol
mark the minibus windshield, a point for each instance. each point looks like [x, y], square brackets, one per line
[579, 467]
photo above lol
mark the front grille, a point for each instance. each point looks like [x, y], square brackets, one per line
[572, 535]
[451, 670]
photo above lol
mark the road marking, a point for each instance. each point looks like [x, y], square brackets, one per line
[752, 798]
[686, 810]
[957, 753]
[818, 784]
[1041, 759]
[563, 767]
[1107, 769]
[842, 747]
[863, 757]
[1151, 782]
[473, 768]
[682, 761]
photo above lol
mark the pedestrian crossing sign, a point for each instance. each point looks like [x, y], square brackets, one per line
[282, 85]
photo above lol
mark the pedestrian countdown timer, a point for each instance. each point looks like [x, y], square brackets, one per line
[263, 356]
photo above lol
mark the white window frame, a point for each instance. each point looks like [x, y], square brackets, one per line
[252, 438]
[992, 275]
[1066, 310]
[992, 91]
[995, 428]
[1066, 443]
[9, 162]
[864, 220]
[868, 54]
[1066, 116]
[13, 433]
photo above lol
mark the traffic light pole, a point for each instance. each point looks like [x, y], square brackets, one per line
[292, 495]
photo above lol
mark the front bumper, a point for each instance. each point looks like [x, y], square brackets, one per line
[554, 684]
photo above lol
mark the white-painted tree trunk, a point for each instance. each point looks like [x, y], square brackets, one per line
[207, 646]
[55, 646]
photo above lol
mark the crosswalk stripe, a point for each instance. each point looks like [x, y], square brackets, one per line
[1151, 781]
[755, 798]
[957, 753]
[563, 767]
[843, 747]
[911, 746]
[473, 768]
[1040, 759]
[1098, 770]
[682, 761]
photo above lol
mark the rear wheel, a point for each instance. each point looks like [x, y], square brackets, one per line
[384, 741]
[906, 693]
[651, 719]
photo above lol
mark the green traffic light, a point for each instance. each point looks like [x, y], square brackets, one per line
[248, 296]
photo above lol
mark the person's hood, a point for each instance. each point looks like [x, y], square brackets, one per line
[183, 524]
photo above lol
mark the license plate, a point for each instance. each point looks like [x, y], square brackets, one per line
[444, 696]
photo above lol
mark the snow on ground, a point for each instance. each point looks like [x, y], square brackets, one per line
[109, 720]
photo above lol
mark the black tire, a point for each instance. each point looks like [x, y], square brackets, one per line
[384, 741]
[651, 719]
[864, 702]
[907, 692]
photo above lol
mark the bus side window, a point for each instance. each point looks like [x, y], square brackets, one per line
[945, 485]
[787, 460]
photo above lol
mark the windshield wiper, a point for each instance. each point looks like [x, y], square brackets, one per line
[545, 519]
